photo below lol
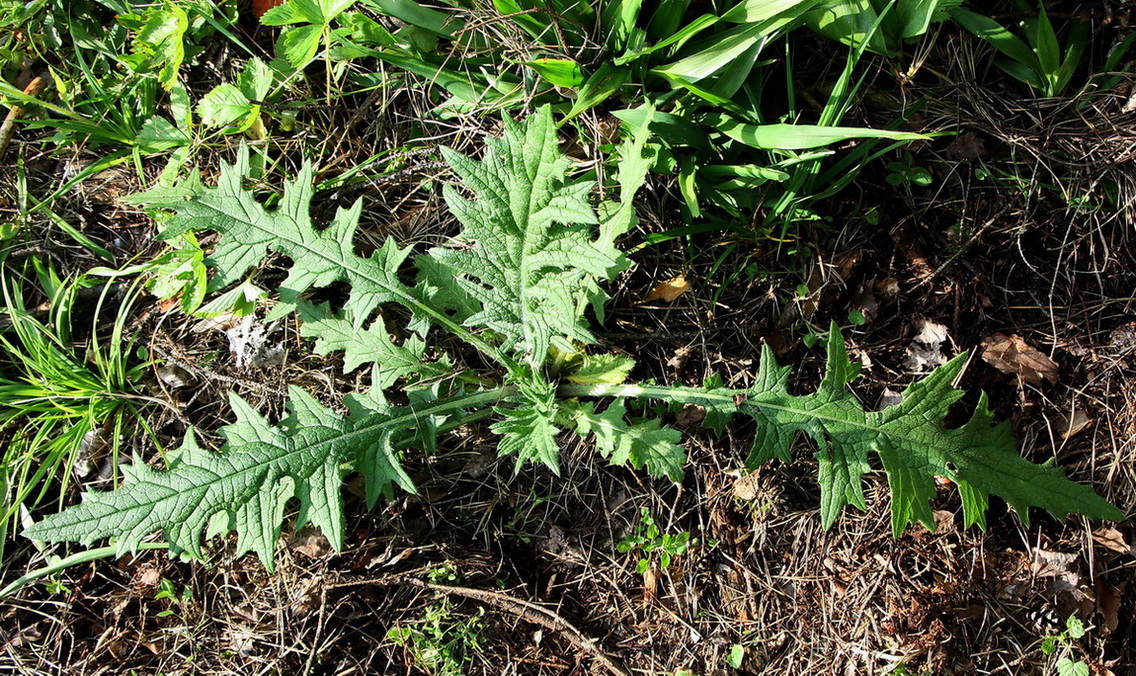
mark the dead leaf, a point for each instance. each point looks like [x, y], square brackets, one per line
[1069, 425]
[1111, 538]
[865, 301]
[27, 636]
[889, 397]
[1011, 354]
[650, 586]
[925, 352]
[1058, 566]
[1109, 599]
[931, 333]
[175, 377]
[690, 415]
[966, 147]
[1122, 339]
[311, 543]
[888, 287]
[747, 486]
[147, 577]
[678, 360]
[669, 290]
[944, 521]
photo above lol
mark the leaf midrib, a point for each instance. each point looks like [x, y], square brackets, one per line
[352, 265]
[397, 423]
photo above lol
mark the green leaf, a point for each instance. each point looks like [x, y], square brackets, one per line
[643, 444]
[305, 11]
[158, 135]
[249, 230]
[299, 45]
[750, 11]
[603, 84]
[311, 19]
[181, 271]
[244, 487]
[255, 80]
[528, 430]
[440, 23]
[227, 106]
[1003, 40]
[241, 300]
[372, 345]
[522, 255]
[912, 442]
[560, 72]
[159, 42]
[609, 369]
[799, 137]
[1074, 627]
[736, 657]
[1067, 667]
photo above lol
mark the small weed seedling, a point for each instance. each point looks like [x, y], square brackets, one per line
[1067, 666]
[653, 544]
[178, 600]
[906, 172]
[441, 643]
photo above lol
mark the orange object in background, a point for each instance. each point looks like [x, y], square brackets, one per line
[259, 7]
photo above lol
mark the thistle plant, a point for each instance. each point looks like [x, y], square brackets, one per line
[515, 286]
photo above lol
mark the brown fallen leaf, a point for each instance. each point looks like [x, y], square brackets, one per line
[690, 415]
[1112, 538]
[1069, 425]
[311, 543]
[966, 147]
[669, 290]
[1011, 354]
[1109, 600]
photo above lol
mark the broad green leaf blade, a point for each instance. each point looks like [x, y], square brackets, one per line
[1003, 40]
[415, 14]
[800, 137]
[714, 54]
[560, 72]
[913, 443]
[750, 11]
[524, 254]
[227, 105]
[642, 444]
[159, 134]
[618, 19]
[243, 487]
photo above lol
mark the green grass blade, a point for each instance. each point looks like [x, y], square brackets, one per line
[800, 137]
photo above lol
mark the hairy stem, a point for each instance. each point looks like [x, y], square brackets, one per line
[696, 395]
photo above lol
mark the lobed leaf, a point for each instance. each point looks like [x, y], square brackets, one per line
[642, 444]
[249, 231]
[521, 257]
[243, 488]
[913, 443]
